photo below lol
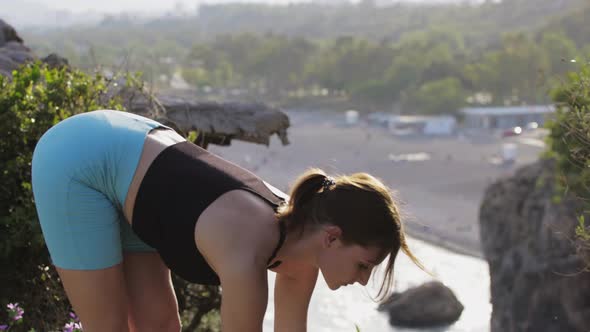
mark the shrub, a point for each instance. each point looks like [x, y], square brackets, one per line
[569, 145]
[36, 98]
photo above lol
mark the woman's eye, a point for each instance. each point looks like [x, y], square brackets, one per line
[363, 267]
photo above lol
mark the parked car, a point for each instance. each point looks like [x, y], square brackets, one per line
[514, 131]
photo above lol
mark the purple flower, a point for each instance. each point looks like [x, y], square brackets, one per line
[74, 317]
[16, 312]
[69, 327]
[72, 327]
[3, 327]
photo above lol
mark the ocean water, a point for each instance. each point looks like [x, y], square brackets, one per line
[341, 310]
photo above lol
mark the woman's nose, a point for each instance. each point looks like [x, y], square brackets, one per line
[364, 278]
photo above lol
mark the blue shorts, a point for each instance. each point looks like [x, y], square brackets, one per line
[82, 168]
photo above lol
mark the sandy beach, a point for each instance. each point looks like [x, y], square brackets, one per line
[439, 192]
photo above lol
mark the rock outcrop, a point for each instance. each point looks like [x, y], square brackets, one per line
[538, 281]
[429, 305]
[216, 123]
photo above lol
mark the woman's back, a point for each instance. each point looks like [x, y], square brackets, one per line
[183, 182]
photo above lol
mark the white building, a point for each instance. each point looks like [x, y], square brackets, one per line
[506, 117]
[422, 125]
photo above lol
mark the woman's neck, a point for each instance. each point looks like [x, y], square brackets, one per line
[300, 248]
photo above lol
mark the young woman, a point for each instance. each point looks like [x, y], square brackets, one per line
[122, 200]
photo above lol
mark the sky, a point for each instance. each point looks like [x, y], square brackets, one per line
[117, 6]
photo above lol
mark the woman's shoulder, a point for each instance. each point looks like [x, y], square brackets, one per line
[241, 207]
[237, 225]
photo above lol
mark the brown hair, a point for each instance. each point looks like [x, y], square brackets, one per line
[360, 204]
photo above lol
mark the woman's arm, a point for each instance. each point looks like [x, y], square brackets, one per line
[230, 238]
[244, 294]
[292, 296]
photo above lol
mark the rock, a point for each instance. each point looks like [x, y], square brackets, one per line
[429, 305]
[7, 34]
[537, 279]
[17, 56]
[216, 123]
[251, 122]
[55, 61]
[12, 51]
[7, 64]
[16, 46]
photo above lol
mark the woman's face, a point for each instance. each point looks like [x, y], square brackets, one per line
[343, 265]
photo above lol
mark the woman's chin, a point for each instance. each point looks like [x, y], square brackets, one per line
[333, 287]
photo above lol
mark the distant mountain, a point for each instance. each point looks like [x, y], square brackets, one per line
[43, 13]
[384, 20]
[573, 25]
[481, 24]
[25, 14]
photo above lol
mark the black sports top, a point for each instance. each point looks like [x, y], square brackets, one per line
[178, 186]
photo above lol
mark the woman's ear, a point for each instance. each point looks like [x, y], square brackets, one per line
[331, 233]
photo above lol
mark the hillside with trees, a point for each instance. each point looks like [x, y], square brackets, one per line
[425, 59]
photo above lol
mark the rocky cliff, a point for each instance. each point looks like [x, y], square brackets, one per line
[538, 281]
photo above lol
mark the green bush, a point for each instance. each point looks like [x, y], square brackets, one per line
[569, 145]
[36, 98]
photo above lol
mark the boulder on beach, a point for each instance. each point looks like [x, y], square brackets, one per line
[428, 305]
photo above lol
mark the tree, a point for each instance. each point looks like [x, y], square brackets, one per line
[515, 73]
[569, 145]
[348, 62]
[443, 96]
[560, 51]
[207, 66]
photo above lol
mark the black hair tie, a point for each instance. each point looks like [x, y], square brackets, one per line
[328, 182]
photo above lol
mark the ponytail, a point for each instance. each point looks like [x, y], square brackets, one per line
[306, 187]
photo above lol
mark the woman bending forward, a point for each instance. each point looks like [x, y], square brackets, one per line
[123, 200]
